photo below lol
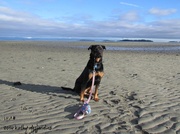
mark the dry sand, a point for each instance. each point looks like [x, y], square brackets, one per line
[139, 94]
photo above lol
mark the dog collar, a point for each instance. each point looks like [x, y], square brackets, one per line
[95, 66]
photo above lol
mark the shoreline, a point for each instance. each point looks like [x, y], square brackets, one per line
[145, 47]
[139, 92]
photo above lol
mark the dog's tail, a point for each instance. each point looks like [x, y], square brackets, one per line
[67, 88]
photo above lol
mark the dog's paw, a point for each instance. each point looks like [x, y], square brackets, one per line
[96, 99]
[82, 100]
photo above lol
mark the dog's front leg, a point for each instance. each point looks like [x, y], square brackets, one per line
[96, 93]
[83, 88]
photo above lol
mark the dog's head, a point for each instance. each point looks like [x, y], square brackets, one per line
[97, 52]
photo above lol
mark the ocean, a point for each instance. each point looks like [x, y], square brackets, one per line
[159, 48]
[95, 39]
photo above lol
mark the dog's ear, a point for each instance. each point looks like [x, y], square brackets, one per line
[103, 47]
[90, 47]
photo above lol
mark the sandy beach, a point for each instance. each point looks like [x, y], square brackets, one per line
[139, 93]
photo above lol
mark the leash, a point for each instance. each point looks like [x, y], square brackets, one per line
[86, 109]
[92, 87]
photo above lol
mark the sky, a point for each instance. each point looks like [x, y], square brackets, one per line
[90, 18]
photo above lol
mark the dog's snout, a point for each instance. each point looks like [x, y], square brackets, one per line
[98, 55]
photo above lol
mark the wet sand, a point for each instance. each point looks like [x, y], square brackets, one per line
[140, 92]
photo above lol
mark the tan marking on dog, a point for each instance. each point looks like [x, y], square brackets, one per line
[98, 59]
[101, 74]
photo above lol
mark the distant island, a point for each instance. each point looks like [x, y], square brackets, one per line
[139, 40]
[174, 41]
[111, 41]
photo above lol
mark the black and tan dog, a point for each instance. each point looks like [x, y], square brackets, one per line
[84, 81]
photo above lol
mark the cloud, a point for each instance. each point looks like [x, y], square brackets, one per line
[16, 23]
[130, 16]
[7, 14]
[161, 29]
[129, 4]
[19, 21]
[162, 12]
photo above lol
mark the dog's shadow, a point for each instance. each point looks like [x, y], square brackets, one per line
[44, 89]
[49, 90]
